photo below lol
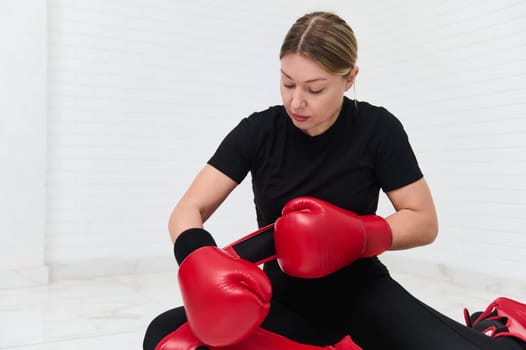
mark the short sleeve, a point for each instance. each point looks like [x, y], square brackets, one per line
[233, 157]
[396, 163]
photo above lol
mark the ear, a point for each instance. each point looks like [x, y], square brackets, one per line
[349, 80]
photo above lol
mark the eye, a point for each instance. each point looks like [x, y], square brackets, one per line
[315, 92]
[288, 86]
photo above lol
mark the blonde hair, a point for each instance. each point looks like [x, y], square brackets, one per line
[324, 37]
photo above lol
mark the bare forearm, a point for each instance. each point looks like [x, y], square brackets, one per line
[183, 218]
[208, 190]
[412, 228]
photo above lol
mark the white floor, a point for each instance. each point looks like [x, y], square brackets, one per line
[113, 312]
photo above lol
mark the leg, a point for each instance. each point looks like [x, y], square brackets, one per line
[390, 317]
[282, 320]
[285, 330]
[163, 325]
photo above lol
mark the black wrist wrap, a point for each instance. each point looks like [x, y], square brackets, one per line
[190, 240]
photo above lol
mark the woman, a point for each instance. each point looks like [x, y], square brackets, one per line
[318, 163]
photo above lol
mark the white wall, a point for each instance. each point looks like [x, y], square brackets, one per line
[141, 92]
[22, 142]
[454, 72]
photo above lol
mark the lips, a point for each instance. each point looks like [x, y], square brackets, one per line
[299, 118]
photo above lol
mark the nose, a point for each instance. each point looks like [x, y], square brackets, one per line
[297, 99]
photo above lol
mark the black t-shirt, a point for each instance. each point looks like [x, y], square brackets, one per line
[365, 150]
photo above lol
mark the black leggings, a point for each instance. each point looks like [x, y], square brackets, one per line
[384, 316]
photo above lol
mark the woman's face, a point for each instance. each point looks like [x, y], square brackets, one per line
[312, 96]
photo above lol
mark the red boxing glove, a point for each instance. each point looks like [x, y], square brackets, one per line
[180, 339]
[314, 238]
[226, 298]
[183, 339]
[262, 339]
